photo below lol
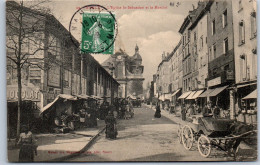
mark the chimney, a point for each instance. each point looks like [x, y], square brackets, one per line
[163, 55]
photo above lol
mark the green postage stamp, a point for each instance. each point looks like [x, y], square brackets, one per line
[98, 32]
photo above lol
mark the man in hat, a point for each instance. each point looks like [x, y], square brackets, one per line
[207, 111]
[111, 129]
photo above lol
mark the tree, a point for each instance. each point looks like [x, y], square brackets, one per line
[26, 39]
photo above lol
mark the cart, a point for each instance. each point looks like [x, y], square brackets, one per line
[209, 133]
[136, 102]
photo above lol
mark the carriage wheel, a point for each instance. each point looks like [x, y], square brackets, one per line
[187, 137]
[204, 146]
[71, 125]
[180, 134]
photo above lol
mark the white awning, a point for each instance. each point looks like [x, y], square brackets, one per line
[176, 92]
[190, 95]
[252, 95]
[168, 97]
[161, 98]
[184, 95]
[244, 85]
[217, 91]
[83, 96]
[49, 105]
[206, 93]
[96, 97]
[60, 96]
[197, 94]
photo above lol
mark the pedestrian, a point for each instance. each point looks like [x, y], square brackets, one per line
[216, 112]
[27, 144]
[158, 111]
[206, 111]
[123, 109]
[192, 109]
[82, 117]
[111, 128]
[183, 112]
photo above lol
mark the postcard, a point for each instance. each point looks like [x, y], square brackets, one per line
[131, 80]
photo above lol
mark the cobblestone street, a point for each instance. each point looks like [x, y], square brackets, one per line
[145, 138]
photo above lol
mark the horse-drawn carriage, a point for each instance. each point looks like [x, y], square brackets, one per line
[136, 102]
[220, 133]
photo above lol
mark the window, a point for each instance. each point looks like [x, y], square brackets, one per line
[188, 47]
[210, 54]
[243, 68]
[201, 58]
[240, 7]
[241, 32]
[224, 19]
[253, 24]
[213, 28]
[214, 48]
[189, 35]
[195, 37]
[201, 42]
[189, 65]
[254, 66]
[225, 46]
[196, 64]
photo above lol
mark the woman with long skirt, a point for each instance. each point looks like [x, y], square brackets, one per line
[28, 147]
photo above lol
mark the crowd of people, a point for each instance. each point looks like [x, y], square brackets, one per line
[89, 111]
[85, 114]
[193, 109]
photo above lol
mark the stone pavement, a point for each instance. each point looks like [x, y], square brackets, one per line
[58, 147]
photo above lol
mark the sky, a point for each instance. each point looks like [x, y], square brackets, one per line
[154, 30]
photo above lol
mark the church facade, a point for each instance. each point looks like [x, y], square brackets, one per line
[128, 71]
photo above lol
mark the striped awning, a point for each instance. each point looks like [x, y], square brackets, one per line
[184, 95]
[217, 91]
[190, 95]
[197, 94]
[206, 93]
[176, 92]
[252, 95]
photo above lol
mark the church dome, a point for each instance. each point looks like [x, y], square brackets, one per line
[137, 56]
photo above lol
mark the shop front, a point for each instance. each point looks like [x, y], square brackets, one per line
[245, 99]
[29, 112]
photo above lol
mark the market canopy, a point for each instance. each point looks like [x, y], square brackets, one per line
[206, 93]
[217, 91]
[191, 95]
[197, 94]
[252, 95]
[168, 97]
[132, 97]
[176, 92]
[161, 98]
[83, 96]
[184, 95]
[96, 97]
[59, 97]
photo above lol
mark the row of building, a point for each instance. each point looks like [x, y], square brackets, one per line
[50, 62]
[215, 59]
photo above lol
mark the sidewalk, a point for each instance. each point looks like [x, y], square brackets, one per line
[58, 147]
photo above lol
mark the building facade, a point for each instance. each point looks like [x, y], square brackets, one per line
[220, 43]
[245, 56]
[128, 71]
[55, 66]
[217, 58]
